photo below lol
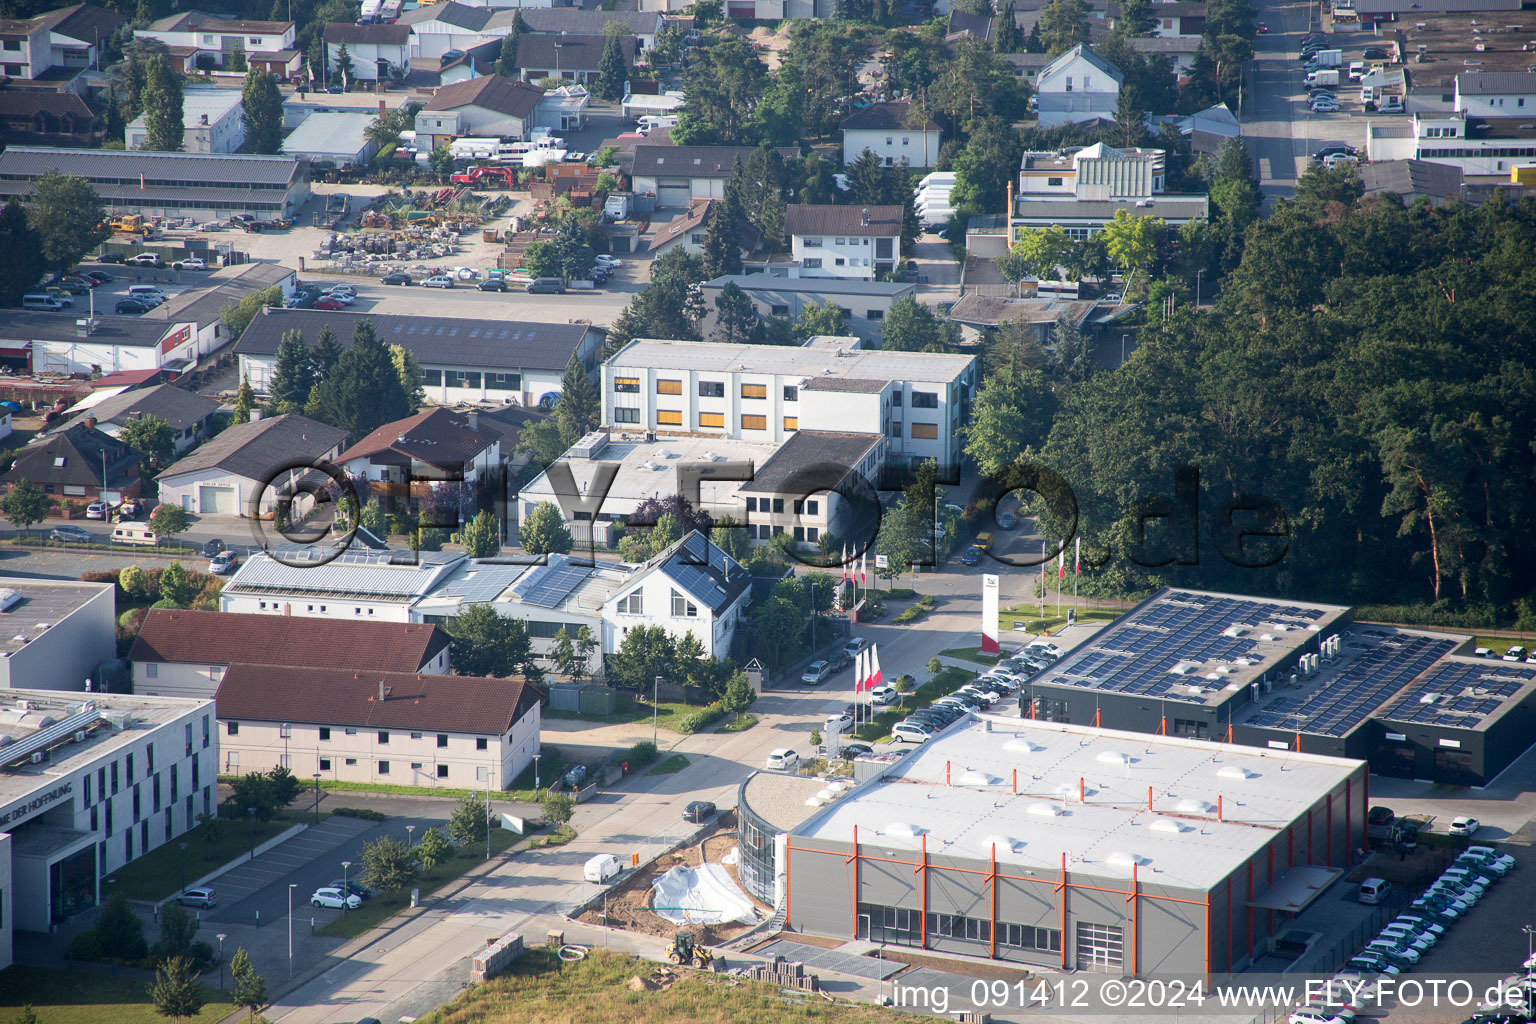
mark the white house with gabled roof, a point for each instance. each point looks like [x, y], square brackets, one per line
[692, 587]
[1077, 86]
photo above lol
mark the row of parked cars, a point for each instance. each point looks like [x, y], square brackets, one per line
[980, 694]
[1409, 937]
[335, 894]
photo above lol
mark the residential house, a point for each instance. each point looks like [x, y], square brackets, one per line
[1080, 190]
[433, 445]
[463, 360]
[377, 51]
[356, 585]
[1180, 50]
[81, 463]
[643, 25]
[1496, 94]
[764, 393]
[1476, 145]
[688, 231]
[40, 117]
[889, 131]
[543, 55]
[213, 119]
[249, 467]
[1440, 184]
[50, 51]
[844, 241]
[692, 587]
[204, 42]
[818, 482]
[183, 653]
[1027, 65]
[204, 307]
[864, 303]
[979, 315]
[680, 175]
[1170, 18]
[204, 186]
[563, 109]
[186, 412]
[1077, 86]
[65, 344]
[492, 106]
[458, 732]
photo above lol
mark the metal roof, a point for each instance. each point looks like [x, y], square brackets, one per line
[814, 285]
[28, 325]
[1493, 83]
[804, 360]
[330, 133]
[381, 576]
[129, 166]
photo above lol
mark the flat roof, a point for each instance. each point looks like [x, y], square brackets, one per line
[648, 469]
[382, 576]
[1462, 693]
[185, 170]
[198, 102]
[812, 460]
[790, 360]
[1192, 646]
[813, 285]
[331, 133]
[560, 584]
[32, 325]
[1082, 792]
[43, 605]
[101, 738]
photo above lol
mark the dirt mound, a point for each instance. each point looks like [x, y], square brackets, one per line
[639, 984]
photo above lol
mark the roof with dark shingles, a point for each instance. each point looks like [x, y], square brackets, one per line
[257, 449]
[811, 461]
[576, 53]
[804, 219]
[574, 19]
[382, 35]
[225, 638]
[176, 406]
[343, 697]
[455, 14]
[492, 92]
[74, 457]
[884, 117]
[435, 436]
[491, 344]
[695, 563]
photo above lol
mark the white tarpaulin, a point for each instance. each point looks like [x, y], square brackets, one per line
[702, 895]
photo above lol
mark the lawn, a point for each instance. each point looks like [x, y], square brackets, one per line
[79, 997]
[948, 680]
[631, 709]
[917, 610]
[974, 654]
[158, 874]
[380, 908]
[672, 765]
[1499, 644]
[741, 723]
[539, 989]
[1030, 614]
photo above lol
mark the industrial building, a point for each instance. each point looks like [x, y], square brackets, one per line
[1297, 675]
[1064, 846]
[88, 783]
[57, 634]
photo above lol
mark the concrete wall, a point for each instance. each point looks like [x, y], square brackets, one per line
[68, 652]
[7, 900]
[319, 606]
[172, 679]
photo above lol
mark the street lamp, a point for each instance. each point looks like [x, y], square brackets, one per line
[292, 886]
[183, 866]
[252, 812]
[536, 776]
[409, 829]
[344, 866]
[1198, 274]
[655, 690]
[317, 797]
[221, 937]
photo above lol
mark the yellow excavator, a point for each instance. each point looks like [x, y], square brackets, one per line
[685, 951]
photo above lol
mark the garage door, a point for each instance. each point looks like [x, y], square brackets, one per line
[219, 500]
[674, 193]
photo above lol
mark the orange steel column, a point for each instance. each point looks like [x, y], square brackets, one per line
[922, 896]
[853, 895]
[1062, 888]
[992, 928]
[1133, 901]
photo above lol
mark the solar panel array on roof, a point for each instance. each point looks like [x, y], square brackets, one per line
[1459, 694]
[478, 583]
[1392, 661]
[547, 586]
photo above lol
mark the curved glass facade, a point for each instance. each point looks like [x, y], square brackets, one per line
[757, 870]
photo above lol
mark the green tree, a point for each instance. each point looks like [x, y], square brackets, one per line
[912, 326]
[821, 318]
[723, 82]
[644, 653]
[388, 864]
[866, 179]
[579, 408]
[441, 159]
[1037, 253]
[735, 317]
[722, 239]
[245, 400]
[738, 694]
[326, 353]
[66, 213]
[1063, 25]
[506, 60]
[1132, 241]
[21, 271]
[612, 71]
[1235, 196]
[175, 991]
[562, 651]
[483, 643]
[480, 536]
[168, 520]
[163, 127]
[779, 624]
[250, 988]
[557, 809]
[544, 531]
[133, 581]
[293, 374]
[1013, 414]
[174, 585]
[985, 167]
[25, 504]
[470, 820]
[152, 436]
[1009, 38]
[433, 848]
[344, 66]
[119, 931]
[262, 112]
[237, 316]
[177, 927]
[730, 536]
[542, 441]
[26, 1016]
[364, 390]
[408, 370]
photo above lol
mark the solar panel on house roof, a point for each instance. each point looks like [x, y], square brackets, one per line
[547, 586]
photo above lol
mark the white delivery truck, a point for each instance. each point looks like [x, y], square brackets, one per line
[1327, 58]
[1323, 77]
[601, 868]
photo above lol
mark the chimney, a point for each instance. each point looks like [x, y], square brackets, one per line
[383, 691]
[381, 108]
[472, 420]
[255, 415]
[90, 422]
[202, 119]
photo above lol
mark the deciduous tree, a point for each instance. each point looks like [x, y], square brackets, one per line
[67, 215]
[483, 643]
[261, 111]
[20, 271]
[250, 988]
[25, 504]
[388, 864]
[175, 991]
[544, 531]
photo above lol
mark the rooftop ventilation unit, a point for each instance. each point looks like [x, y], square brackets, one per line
[1002, 842]
[1171, 825]
[976, 778]
[1113, 757]
[1185, 668]
[902, 828]
[1126, 859]
[1046, 810]
[1195, 807]
[1232, 771]
[9, 599]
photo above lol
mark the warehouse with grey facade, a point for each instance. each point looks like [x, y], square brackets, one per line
[1062, 846]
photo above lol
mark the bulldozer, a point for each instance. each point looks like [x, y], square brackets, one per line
[685, 951]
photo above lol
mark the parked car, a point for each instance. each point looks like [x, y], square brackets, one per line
[145, 259]
[972, 555]
[74, 285]
[212, 547]
[698, 811]
[191, 263]
[96, 510]
[222, 563]
[492, 284]
[111, 257]
[816, 673]
[852, 750]
[202, 896]
[352, 886]
[1464, 826]
[99, 276]
[438, 281]
[342, 289]
[883, 695]
[1489, 853]
[132, 307]
[1333, 150]
[546, 286]
[604, 260]
[1374, 53]
[330, 896]
[67, 534]
[1410, 935]
[852, 648]
[1316, 1015]
[341, 298]
[782, 759]
[395, 278]
[1515, 654]
[328, 302]
[1042, 647]
[1424, 924]
[910, 732]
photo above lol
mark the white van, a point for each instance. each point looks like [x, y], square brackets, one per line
[601, 868]
[1374, 890]
[132, 533]
[147, 291]
[42, 302]
[650, 122]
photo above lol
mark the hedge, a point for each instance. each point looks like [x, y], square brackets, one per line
[367, 814]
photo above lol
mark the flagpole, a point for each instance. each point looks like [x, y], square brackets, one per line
[1061, 576]
[1077, 570]
[1042, 586]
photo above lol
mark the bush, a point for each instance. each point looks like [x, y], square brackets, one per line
[701, 719]
[360, 812]
[641, 754]
[903, 684]
[934, 665]
[85, 945]
[1443, 614]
